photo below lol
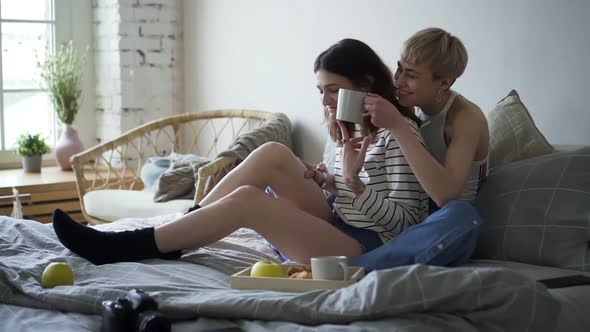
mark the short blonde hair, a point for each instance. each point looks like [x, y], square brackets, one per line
[442, 52]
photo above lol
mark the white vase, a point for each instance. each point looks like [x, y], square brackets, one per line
[69, 144]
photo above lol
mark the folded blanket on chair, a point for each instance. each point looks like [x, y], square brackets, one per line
[178, 181]
[276, 129]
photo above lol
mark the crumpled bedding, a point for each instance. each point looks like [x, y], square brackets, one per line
[197, 286]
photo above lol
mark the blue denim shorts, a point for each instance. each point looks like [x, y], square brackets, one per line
[368, 239]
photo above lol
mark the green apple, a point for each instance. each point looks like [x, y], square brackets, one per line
[267, 269]
[56, 274]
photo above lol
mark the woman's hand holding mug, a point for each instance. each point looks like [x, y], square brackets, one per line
[383, 113]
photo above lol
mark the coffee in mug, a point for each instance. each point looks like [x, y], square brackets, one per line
[350, 106]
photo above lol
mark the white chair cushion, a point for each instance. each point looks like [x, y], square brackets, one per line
[112, 205]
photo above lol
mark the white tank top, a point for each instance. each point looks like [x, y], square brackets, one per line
[433, 132]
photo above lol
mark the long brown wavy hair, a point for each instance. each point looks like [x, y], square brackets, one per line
[357, 62]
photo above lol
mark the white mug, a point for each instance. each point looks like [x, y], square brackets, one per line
[329, 268]
[350, 106]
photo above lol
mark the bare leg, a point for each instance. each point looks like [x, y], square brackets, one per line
[273, 164]
[295, 232]
[298, 223]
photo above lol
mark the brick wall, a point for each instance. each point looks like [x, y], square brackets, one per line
[138, 59]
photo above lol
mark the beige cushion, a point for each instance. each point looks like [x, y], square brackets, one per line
[513, 133]
[112, 205]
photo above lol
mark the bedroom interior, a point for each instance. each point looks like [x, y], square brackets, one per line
[151, 61]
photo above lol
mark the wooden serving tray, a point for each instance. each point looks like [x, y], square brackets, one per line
[243, 280]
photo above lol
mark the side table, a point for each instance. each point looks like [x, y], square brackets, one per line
[41, 193]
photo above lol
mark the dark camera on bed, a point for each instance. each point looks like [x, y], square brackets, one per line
[137, 311]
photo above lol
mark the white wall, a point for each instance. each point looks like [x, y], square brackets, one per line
[259, 54]
[138, 67]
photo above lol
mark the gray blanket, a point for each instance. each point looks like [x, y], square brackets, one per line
[276, 129]
[432, 298]
[178, 181]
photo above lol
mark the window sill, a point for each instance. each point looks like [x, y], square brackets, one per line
[18, 164]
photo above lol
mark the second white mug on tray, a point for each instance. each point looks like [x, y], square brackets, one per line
[330, 268]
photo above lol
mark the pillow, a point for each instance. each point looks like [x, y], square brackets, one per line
[178, 181]
[513, 134]
[537, 211]
[152, 169]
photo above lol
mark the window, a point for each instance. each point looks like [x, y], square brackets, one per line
[28, 28]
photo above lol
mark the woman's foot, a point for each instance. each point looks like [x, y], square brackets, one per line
[107, 247]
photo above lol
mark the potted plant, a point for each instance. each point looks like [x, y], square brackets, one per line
[31, 148]
[61, 74]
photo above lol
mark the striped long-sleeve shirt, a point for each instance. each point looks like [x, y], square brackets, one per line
[393, 199]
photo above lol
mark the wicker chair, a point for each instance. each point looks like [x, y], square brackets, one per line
[117, 164]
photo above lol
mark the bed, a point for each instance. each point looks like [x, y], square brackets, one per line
[496, 292]
[194, 291]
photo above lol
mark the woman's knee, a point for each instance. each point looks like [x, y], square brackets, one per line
[247, 200]
[275, 152]
[245, 196]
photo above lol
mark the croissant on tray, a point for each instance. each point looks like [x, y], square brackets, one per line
[299, 272]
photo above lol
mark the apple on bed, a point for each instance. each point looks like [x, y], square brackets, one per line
[57, 274]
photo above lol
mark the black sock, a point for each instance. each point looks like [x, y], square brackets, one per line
[196, 207]
[107, 247]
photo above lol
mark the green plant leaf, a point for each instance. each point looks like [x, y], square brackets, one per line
[61, 74]
[31, 145]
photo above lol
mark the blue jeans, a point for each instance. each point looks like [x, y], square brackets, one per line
[368, 239]
[446, 238]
